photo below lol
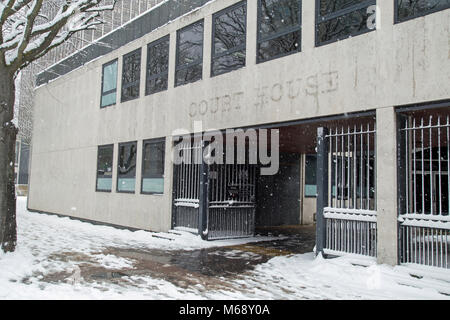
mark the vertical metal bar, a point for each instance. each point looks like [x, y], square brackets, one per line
[203, 201]
[361, 172]
[354, 167]
[368, 167]
[407, 166]
[439, 164]
[368, 238]
[322, 187]
[415, 164]
[348, 167]
[423, 168]
[431, 168]
[448, 164]
[342, 171]
[442, 253]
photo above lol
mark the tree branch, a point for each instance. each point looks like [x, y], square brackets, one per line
[28, 40]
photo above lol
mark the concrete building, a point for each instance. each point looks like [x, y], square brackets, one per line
[355, 93]
[123, 12]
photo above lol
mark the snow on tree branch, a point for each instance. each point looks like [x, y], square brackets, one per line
[27, 34]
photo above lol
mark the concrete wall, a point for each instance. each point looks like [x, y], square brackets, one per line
[394, 65]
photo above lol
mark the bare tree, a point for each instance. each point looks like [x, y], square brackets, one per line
[26, 35]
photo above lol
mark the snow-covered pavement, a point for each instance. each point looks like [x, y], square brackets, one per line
[60, 258]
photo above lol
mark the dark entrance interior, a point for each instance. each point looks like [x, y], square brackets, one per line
[239, 200]
[278, 198]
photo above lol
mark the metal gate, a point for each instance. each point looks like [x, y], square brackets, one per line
[220, 206]
[346, 181]
[186, 186]
[231, 200]
[424, 180]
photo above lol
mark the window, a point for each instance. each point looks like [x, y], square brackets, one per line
[189, 54]
[340, 19]
[408, 9]
[153, 166]
[109, 84]
[229, 36]
[131, 74]
[310, 176]
[126, 168]
[104, 168]
[279, 28]
[157, 66]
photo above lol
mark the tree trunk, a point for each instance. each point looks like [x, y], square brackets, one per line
[8, 229]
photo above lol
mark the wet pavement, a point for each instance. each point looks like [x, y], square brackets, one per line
[209, 268]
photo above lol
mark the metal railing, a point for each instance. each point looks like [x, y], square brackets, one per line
[424, 219]
[350, 217]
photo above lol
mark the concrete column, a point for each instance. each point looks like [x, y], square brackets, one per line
[308, 25]
[252, 31]
[172, 60]
[386, 180]
[114, 168]
[119, 79]
[168, 183]
[139, 157]
[207, 32]
[385, 16]
[143, 71]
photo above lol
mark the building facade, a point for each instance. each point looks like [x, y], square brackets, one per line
[123, 12]
[351, 96]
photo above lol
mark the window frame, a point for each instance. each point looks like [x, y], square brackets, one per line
[338, 14]
[242, 3]
[161, 74]
[118, 162]
[152, 141]
[191, 64]
[284, 32]
[137, 82]
[397, 20]
[103, 80]
[112, 168]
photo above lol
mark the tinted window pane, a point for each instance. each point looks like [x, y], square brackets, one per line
[343, 26]
[131, 75]
[158, 57]
[191, 74]
[109, 85]
[330, 6]
[104, 168]
[126, 170]
[109, 99]
[278, 15]
[229, 30]
[310, 176]
[279, 46]
[153, 167]
[229, 36]
[157, 66]
[110, 77]
[190, 44]
[411, 8]
[279, 28]
[229, 62]
[157, 84]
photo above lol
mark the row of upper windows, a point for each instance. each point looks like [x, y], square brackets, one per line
[152, 174]
[279, 34]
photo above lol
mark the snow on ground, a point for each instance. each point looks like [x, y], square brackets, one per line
[49, 244]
